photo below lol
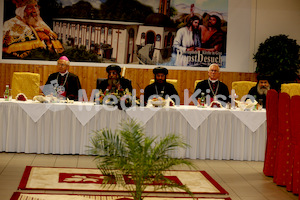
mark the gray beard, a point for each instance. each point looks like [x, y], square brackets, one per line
[262, 91]
[32, 21]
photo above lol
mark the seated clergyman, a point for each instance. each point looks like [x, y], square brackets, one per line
[114, 82]
[160, 87]
[64, 84]
[27, 31]
[213, 87]
[259, 92]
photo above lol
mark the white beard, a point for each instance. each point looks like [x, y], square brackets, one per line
[33, 21]
[262, 91]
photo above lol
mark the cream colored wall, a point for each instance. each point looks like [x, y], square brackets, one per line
[277, 17]
[251, 22]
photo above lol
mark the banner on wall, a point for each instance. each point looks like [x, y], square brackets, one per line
[189, 33]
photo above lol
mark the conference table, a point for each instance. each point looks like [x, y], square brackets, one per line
[67, 128]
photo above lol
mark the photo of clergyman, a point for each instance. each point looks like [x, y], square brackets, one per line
[27, 31]
[146, 32]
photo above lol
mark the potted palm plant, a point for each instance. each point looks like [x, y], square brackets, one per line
[128, 152]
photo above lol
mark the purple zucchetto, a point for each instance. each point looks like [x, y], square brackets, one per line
[64, 58]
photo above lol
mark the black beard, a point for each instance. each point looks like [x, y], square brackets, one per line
[194, 29]
[113, 82]
[157, 83]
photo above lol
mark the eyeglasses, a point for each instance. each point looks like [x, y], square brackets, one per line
[61, 64]
[113, 73]
[213, 70]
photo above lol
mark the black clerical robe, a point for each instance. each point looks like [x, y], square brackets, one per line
[124, 84]
[222, 89]
[69, 81]
[160, 90]
[257, 96]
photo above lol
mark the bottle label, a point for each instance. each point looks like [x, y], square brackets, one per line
[6, 97]
[202, 103]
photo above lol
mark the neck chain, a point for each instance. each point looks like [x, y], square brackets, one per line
[163, 90]
[213, 92]
[65, 79]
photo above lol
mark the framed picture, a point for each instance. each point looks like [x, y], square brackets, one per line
[175, 33]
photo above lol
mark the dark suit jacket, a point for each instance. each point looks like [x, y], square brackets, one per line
[160, 90]
[254, 93]
[222, 90]
[71, 87]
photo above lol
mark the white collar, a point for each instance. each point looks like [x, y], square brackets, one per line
[213, 81]
[62, 74]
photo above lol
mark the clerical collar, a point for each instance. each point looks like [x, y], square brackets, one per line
[63, 74]
[213, 81]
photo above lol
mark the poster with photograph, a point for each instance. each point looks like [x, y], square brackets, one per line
[189, 33]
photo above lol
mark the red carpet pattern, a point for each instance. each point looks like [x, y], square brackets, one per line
[35, 196]
[78, 179]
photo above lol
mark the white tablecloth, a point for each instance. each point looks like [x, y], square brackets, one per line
[32, 127]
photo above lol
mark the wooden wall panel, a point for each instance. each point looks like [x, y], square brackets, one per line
[140, 77]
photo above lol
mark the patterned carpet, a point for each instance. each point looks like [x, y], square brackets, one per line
[32, 196]
[78, 179]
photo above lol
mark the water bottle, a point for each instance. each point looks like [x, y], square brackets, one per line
[202, 101]
[6, 93]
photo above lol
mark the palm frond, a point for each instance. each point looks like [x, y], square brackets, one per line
[128, 155]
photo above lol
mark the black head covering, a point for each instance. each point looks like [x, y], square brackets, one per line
[113, 67]
[263, 77]
[163, 70]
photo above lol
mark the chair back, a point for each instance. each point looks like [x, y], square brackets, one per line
[25, 82]
[295, 138]
[272, 132]
[196, 82]
[242, 87]
[172, 81]
[291, 88]
[295, 118]
[283, 154]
